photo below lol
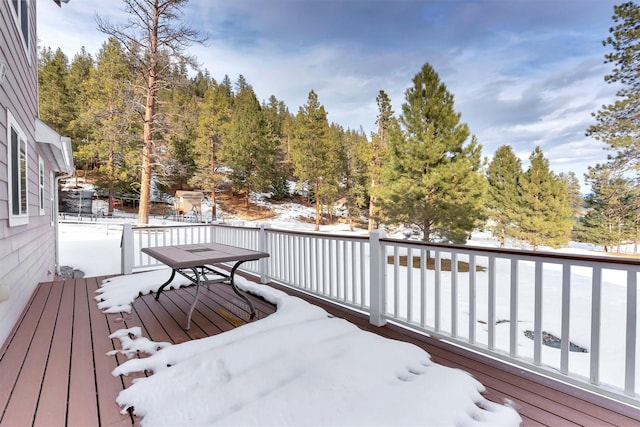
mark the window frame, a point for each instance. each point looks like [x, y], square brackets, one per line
[17, 181]
[41, 199]
[52, 199]
[22, 18]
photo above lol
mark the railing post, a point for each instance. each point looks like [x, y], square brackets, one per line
[212, 233]
[126, 250]
[262, 247]
[377, 266]
[631, 347]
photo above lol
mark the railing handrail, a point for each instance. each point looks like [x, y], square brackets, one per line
[316, 234]
[174, 226]
[523, 253]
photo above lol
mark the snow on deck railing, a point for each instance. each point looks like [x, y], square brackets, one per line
[572, 317]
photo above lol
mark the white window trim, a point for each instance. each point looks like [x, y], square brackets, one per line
[52, 198]
[41, 198]
[17, 19]
[23, 217]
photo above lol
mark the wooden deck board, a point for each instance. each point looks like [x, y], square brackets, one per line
[82, 407]
[55, 387]
[12, 358]
[54, 369]
[108, 386]
[21, 412]
[165, 331]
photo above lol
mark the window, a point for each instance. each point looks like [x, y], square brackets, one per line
[41, 185]
[17, 155]
[21, 16]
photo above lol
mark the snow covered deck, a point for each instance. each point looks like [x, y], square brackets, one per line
[54, 369]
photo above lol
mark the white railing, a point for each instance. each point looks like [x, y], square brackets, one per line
[333, 267]
[134, 238]
[571, 317]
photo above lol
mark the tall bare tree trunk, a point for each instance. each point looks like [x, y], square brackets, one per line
[149, 113]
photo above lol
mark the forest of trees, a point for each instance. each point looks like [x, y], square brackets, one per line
[422, 168]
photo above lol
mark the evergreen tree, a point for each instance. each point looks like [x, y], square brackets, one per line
[110, 120]
[55, 99]
[357, 175]
[180, 105]
[250, 150]
[378, 152]
[312, 153]
[278, 117]
[431, 176]
[574, 195]
[335, 184]
[633, 217]
[349, 181]
[212, 128]
[503, 176]
[618, 124]
[200, 83]
[545, 212]
[611, 211]
[81, 67]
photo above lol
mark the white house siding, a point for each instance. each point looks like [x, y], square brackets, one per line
[27, 252]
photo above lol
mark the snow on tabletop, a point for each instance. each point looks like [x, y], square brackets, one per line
[298, 366]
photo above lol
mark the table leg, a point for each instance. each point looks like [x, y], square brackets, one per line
[195, 299]
[165, 284]
[237, 291]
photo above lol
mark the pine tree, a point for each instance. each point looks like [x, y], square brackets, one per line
[633, 217]
[79, 72]
[611, 211]
[431, 176]
[213, 121]
[55, 99]
[110, 120]
[378, 152]
[619, 123]
[348, 185]
[357, 177]
[574, 195]
[503, 176]
[250, 150]
[175, 160]
[618, 126]
[545, 212]
[312, 154]
[278, 117]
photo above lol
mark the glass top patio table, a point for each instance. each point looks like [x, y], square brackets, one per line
[194, 262]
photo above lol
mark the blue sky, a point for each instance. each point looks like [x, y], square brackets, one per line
[522, 72]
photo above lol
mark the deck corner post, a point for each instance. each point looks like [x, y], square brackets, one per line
[376, 278]
[262, 247]
[126, 250]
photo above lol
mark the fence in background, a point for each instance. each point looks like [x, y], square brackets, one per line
[571, 317]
